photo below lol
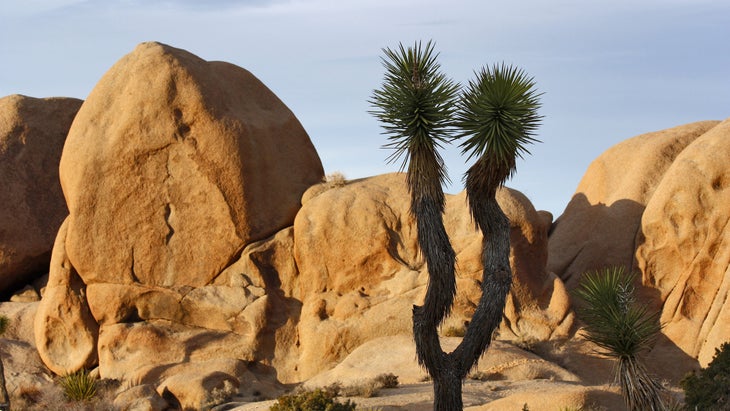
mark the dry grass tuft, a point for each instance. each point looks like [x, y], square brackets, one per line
[334, 180]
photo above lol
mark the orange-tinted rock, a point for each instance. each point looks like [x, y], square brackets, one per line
[361, 272]
[684, 251]
[600, 223]
[173, 164]
[65, 331]
[32, 133]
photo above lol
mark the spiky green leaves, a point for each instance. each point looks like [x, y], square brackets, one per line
[416, 103]
[613, 321]
[498, 116]
[421, 109]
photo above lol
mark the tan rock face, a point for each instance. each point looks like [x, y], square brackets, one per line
[32, 133]
[600, 223]
[171, 168]
[174, 164]
[657, 204]
[360, 270]
[684, 248]
[65, 331]
[140, 398]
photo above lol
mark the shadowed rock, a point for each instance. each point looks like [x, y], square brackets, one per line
[32, 133]
[600, 223]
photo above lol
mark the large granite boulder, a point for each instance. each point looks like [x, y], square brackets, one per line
[600, 223]
[656, 204]
[684, 252]
[172, 166]
[32, 133]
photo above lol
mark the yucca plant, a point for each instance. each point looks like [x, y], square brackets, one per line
[497, 115]
[416, 104]
[623, 329]
[78, 386]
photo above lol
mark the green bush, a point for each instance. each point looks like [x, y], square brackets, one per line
[78, 386]
[317, 400]
[709, 389]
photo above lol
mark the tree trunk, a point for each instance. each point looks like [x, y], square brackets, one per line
[449, 370]
[447, 390]
[4, 398]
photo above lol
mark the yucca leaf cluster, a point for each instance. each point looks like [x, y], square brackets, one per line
[623, 329]
[79, 386]
[498, 116]
[421, 109]
[613, 321]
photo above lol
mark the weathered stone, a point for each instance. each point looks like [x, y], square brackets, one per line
[600, 223]
[131, 351]
[173, 164]
[200, 389]
[32, 133]
[684, 252]
[549, 396]
[20, 317]
[65, 331]
[142, 397]
[361, 272]
[26, 295]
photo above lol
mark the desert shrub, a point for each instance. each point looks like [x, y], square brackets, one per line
[335, 180]
[709, 389]
[388, 380]
[452, 331]
[52, 397]
[366, 389]
[526, 343]
[317, 400]
[478, 376]
[78, 386]
[26, 396]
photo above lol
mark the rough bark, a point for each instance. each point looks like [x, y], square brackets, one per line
[449, 370]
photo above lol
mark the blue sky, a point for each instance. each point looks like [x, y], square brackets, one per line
[609, 70]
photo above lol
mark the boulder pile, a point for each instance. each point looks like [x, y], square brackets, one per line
[196, 254]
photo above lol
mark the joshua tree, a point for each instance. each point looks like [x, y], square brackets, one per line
[497, 115]
[4, 398]
[623, 330]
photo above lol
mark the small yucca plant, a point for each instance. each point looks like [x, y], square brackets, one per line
[623, 330]
[78, 386]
